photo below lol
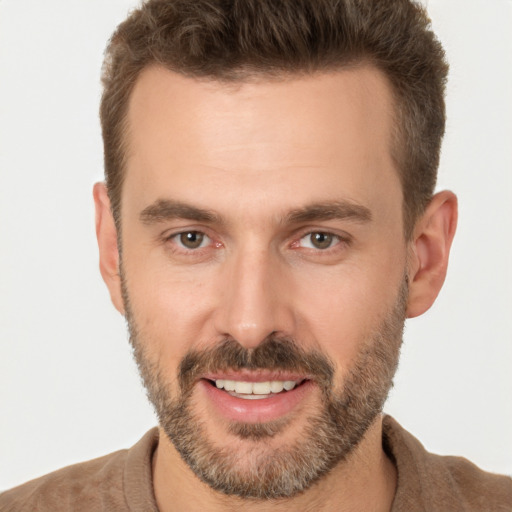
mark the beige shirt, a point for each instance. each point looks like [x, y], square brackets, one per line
[122, 481]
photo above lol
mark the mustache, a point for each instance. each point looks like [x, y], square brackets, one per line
[274, 353]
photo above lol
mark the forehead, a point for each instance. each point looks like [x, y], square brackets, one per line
[188, 135]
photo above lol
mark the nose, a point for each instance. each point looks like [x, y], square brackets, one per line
[254, 300]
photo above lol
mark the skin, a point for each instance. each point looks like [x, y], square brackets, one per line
[253, 153]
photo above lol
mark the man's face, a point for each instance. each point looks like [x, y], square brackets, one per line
[262, 250]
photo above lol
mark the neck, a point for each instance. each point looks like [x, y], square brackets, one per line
[365, 481]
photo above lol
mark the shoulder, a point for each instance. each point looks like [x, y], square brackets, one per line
[487, 491]
[77, 485]
[439, 483]
[119, 481]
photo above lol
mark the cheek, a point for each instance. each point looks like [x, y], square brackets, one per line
[168, 307]
[336, 318]
[341, 310]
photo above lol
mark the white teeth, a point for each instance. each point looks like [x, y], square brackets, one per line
[261, 388]
[229, 385]
[255, 388]
[250, 397]
[243, 387]
[289, 384]
[276, 386]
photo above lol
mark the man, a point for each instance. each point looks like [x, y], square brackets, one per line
[267, 223]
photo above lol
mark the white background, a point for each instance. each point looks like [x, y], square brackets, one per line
[68, 388]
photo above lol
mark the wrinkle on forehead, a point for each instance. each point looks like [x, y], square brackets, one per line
[259, 119]
[280, 144]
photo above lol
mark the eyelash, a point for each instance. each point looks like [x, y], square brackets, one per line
[334, 242]
[338, 242]
[174, 239]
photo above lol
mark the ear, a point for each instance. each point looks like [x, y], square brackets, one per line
[430, 250]
[106, 234]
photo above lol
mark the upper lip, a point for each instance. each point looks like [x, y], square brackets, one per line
[255, 376]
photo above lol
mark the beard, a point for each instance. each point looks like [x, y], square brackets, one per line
[330, 434]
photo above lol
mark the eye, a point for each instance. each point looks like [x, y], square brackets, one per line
[319, 240]
[192, 239]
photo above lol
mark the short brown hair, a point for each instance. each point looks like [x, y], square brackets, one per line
[231, 40]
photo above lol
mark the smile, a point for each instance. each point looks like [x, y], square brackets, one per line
[251, 399]
[255, 390]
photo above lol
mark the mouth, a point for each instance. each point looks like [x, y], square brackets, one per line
[248, 390]
[255, 398]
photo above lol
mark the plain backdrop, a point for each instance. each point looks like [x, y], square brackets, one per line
[69, 390]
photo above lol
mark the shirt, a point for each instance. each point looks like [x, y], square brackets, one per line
[122, 482]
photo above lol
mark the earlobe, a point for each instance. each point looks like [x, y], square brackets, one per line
[430, 251]
[106, 234]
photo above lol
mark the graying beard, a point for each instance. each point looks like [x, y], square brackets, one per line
[330, 437]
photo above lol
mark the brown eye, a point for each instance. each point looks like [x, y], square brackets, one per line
[321, 240]
[192, 239]
[318, 240]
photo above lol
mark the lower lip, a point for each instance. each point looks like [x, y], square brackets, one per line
[260, 410]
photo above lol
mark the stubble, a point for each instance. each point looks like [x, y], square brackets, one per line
[329, 435]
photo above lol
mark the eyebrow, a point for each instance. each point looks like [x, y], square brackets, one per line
[331, 210]
[167, 209]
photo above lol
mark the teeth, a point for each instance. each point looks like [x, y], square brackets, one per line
[243, 387]
[261, 388]
[289, 384]
[255, 388]
[229, 385]
[276, 386]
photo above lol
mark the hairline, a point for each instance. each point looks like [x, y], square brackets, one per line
[249, 75]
